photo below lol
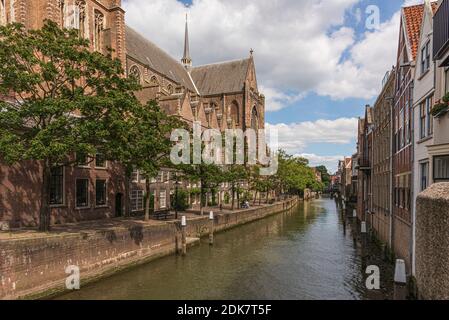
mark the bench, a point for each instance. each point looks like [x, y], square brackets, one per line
[161, 214]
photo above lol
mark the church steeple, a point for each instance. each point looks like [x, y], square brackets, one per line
[186, 60]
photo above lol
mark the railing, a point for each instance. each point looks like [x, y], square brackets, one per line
[364, 163]
[441, 30]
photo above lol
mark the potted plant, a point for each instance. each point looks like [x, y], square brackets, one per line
[442, 107]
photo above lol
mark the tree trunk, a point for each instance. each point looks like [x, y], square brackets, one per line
[268, 194]
[147, 198]
[44, 215]
[255, 197]
[233, 197]
[202, 199]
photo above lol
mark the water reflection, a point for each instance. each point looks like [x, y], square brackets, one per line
[306, 253]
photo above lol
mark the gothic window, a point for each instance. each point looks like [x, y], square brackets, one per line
[170, 89]
[235, 114]
[98, 30]
[2, 12]
[134, 72]
[61, 6]
[81, 16]
[254, 119]
[153, 80]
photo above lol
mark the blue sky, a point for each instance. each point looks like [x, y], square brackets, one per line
[317, 62]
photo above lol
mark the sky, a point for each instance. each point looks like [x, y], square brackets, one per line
[318, 62]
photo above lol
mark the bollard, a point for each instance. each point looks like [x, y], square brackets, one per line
[354, 213]
[184, 237]
[400, 281]
[211, 232]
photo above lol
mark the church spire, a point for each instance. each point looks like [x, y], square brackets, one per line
[186, 60]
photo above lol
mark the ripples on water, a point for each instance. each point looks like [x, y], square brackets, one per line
[302, 254]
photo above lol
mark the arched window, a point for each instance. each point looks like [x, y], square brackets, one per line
[154, 81]
[98, 30]
[170, 89]
[81, 16]
[134, 72]
[2, 12]
[254, 119]
[235, 113]
[61, 6]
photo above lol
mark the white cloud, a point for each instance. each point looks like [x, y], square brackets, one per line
[300, 46]
[296, 137]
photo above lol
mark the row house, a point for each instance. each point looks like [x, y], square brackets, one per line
[382, 160]
[364, 152]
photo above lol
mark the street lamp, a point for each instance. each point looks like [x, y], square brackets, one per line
[176, 196]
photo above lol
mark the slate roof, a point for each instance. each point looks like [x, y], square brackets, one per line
[143, 50]
[225, 77]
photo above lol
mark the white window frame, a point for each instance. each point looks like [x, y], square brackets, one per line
[137, 196]
[163, 199]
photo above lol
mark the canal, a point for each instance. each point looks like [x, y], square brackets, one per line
[306, 253]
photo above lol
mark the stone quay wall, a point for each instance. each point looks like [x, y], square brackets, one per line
[34, 266]
[432, 243]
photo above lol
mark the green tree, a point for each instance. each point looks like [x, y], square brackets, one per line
[234, 175]
[63, 99]
[325, 176]
[148, 144]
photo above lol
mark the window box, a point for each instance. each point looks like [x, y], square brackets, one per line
[442, 107]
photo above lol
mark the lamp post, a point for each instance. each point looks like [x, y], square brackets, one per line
[176, 196]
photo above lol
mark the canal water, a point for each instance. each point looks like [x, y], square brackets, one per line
[306, 253]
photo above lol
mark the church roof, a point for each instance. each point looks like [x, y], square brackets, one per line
[225, 77]
[143, 50]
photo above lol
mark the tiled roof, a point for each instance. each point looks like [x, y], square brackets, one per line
[220, 78]
[143, 50]
[413, 20]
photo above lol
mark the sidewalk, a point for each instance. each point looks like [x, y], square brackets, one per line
[94, 226]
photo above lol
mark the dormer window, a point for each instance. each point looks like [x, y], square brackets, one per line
[425, 58]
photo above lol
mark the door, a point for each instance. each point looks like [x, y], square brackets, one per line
[119, 205]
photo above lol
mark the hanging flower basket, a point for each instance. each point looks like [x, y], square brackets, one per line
[442, 107]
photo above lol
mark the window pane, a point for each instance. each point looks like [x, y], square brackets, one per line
[100, 161]
[441, 168]
[82, 197]
[424, 175]
[447, 80]
[57, 186]
[82, 159]
[137, 200]
[163, 199]
[100, 192]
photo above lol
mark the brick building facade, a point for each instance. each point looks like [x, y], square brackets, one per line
[382, 160]
[220, 96]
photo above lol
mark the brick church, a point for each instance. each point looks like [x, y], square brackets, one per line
[221, 95]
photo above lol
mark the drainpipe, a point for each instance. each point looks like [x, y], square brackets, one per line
[412, 181]
[391, 101]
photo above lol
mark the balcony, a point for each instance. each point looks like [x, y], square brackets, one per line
[364, 164]
[441, 32]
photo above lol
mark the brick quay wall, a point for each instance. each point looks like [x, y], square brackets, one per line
[33, 265]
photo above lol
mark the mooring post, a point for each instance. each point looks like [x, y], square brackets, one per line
[400, 281]
[211, 227]
[354, 213]
[184, 237]
[363, 232]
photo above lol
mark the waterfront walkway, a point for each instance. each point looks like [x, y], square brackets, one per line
[86, 227]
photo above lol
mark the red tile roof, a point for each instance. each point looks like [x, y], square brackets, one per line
[413, 20]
